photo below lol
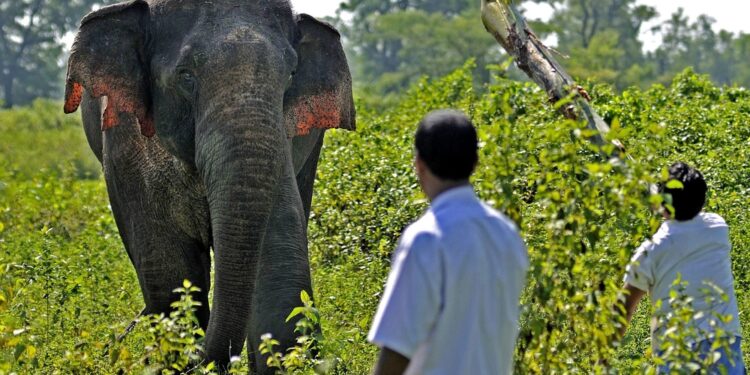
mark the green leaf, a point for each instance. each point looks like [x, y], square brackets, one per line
[20, 348]
[655, 199]
[115, 356]
[305, 297]
[297, 311]
[664, 174]
[30, 351]
[675, 184]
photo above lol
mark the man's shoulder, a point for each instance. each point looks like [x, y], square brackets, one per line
[425, 228]
[661, 240]
[675, 234]
[497, 218]
[712, 220]
[425, 223]
[455, 218]
[671, 231]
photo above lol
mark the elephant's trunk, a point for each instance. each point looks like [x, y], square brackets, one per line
[240, 152]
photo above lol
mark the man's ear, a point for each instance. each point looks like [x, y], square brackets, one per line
[321, 92]
[107, 59]
[419, 165]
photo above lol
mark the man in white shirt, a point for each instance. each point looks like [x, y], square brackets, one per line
[451, 302]
[694, 246]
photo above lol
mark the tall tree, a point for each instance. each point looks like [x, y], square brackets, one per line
[424, 44]
[31, 49]
[720, 54]
[602, 36]
[362, 9]
[393, 42]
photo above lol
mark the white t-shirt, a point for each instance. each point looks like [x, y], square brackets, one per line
[697, 250]
[451, 303]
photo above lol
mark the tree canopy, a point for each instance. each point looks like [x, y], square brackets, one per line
[392, 43]
[602, 38]
[31, 49]
[721, 54]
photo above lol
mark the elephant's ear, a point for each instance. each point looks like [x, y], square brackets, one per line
[320, 95]
[107, 59]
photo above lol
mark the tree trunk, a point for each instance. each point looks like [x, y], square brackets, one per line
[510, 29]
[8, 91]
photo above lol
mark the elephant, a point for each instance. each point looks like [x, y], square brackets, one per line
[208, 118]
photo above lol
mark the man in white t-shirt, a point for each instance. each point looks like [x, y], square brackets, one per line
[451, 302]
[694, 246]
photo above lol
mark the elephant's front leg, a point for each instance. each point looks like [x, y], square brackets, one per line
[283, 273]
[158, 227]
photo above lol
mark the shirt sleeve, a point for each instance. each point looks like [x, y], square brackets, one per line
[411, 302]
[639, 272]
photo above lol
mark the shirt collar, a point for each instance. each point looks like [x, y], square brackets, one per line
[457, 193]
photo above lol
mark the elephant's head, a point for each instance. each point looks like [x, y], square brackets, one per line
[168, 65]
[224, 85]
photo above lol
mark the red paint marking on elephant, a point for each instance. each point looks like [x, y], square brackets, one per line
[120, 102]
[114, 104]
[117, 102]
[319, 111]
[74, 97]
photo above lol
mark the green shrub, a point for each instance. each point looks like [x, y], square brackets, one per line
[676, 349]
[67, 288]
[581, 216]
[40, 139]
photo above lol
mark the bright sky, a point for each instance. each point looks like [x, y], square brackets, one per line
[730, 15]
[316, 8]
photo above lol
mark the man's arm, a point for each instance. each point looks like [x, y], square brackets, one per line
[410, 305]
[634, 295]
[390, 363]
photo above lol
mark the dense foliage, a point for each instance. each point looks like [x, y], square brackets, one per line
[67, 288]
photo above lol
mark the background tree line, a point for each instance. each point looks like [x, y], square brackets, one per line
[31, 48]
[392, 43]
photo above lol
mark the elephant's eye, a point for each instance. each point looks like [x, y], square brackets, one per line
[186, 82]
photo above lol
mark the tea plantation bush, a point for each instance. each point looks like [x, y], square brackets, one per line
[67, 288]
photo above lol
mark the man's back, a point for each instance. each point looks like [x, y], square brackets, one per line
[459, 272]
[698, 252]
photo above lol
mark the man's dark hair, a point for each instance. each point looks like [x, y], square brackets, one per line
[687, 201]
[447, 142]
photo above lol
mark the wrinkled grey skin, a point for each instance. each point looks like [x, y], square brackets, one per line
[224, 84]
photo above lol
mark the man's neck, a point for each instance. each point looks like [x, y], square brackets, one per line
[443, 186]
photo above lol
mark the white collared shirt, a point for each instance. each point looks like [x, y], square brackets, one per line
[698, 251]
[451, 302]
